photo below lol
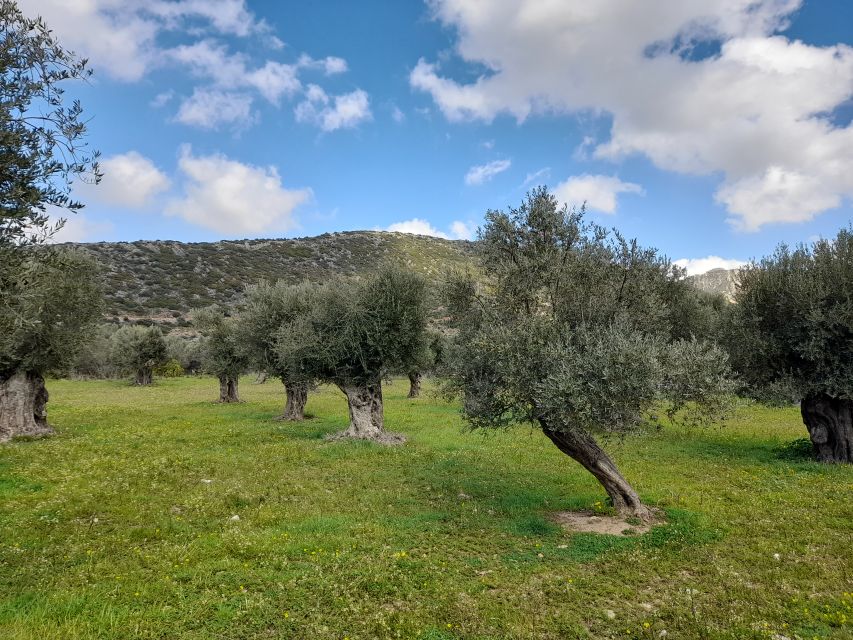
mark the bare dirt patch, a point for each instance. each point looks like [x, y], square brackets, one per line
[591, 522]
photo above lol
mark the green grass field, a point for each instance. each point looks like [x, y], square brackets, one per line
[122, 526]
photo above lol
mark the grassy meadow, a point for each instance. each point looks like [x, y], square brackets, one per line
[156, 513]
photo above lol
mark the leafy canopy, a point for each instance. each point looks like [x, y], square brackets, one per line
[50, 301]
[222, 353]
[266, 308]
[42, 147]
[359, 331]
[573, 326]
[137, 348]
[791, 331]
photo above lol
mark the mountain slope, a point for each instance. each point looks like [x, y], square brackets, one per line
[168, 278]
[164, 279]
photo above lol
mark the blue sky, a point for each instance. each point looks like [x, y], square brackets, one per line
[704, 128]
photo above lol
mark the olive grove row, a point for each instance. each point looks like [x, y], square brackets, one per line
[561, 324]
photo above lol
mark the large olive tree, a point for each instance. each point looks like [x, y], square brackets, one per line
[51, 302]
[355, 333]
[266, 308]
[571, 328]
[791, 337]
[222, 354]
[42, 134]
[139, 350]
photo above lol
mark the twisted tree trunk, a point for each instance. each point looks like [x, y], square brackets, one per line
[414, 384]
[297, 397]
[366, 417]
[228, 389]
[144, 376]
[582, 448]
[830, 424]
[23, 400]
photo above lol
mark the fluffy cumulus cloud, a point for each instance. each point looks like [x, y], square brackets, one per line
[125, 39]
[484, 172]
[757, 111]
[212, 108]
[79, 228]
[121, 36]
[458, 230]
[598, 192]
[330, 113]
[695, 266]
[234, 198]
[130, 180]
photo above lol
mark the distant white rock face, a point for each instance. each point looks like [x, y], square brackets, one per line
[722, 281]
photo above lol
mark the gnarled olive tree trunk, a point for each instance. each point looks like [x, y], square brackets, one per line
[144, 376]
[414, 384]
[366, 416]
[228, 389]
[23, 400]
[830, 424]
[297, 397]
[582, 447]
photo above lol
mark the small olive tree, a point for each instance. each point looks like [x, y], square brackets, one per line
[51, 303]
[355, 333]
[266, 308]
[222, 354]
[138, 350]
[571, 329]
[791, 337]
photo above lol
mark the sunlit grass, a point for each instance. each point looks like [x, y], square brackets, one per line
[123, 526]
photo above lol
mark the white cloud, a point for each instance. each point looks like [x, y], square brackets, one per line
[483, 173]
[130, 180]
[330, 65]
[162, 99]
[79, 228]
[458, 230]
[210, 108]
[695, 266]
[418, 227]
[334, 65]
[463, 230]
[212, 61]
[537, 176]
[598, 192]
[336, 112]
[755, 113]
[233, 198]
[121, 37]
[397, 114]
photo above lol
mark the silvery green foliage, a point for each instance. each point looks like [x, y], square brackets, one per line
[357, 331]
[267, 308]
[42, 135]
[50, 301]
[135, 347]
[791, 332]
[573, 325]
[221, 352]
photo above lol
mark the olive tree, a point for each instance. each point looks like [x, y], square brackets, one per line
[139, 350]
[42, 135]
[791, 337]
[570, 329]
[355, 333]
[222, 354]
[266, 308]
[51, 303]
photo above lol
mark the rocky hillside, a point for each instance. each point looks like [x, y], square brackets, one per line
[165, 279]
[717, 281]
